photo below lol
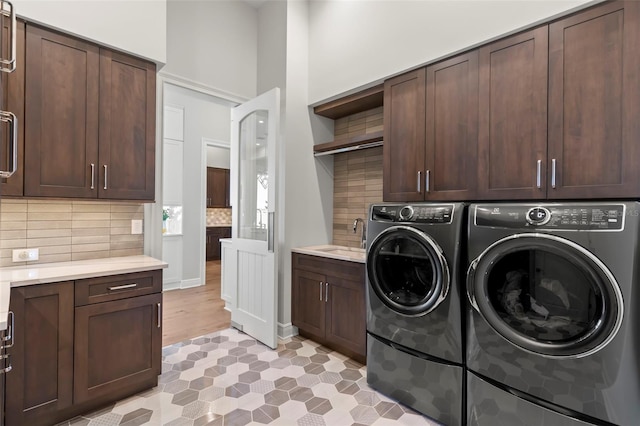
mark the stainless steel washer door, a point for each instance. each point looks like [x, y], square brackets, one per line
[546, 295]
[407, 271]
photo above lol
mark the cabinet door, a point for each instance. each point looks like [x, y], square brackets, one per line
[41, 382]
[127, 127]
[220, 184]
[61, 115]
[594, 103]
[210, 185]
[104, 333]
[308, 292]
[12, 88]
[404, 137]
[452, 129]
[346, 315]
[513, 117]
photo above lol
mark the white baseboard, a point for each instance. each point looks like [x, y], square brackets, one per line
[171, 286]
[286, 331]
[195, 282]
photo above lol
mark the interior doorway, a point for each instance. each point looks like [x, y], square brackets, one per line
[192, 289]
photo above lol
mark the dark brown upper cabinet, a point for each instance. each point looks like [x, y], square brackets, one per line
[431, 131]
[452, 129]
[12, 96]
[403, 152]
[127, 127]
[89, 120]
[594, 103]
[512, 140]
[217, 187]
[61, 115]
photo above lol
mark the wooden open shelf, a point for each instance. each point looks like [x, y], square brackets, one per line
[352, 104]
[369, 138]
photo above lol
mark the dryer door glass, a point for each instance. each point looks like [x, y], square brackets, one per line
[547, 295]
[407, 271]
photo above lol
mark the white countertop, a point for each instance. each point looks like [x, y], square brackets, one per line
[17, 276]
[334, 252]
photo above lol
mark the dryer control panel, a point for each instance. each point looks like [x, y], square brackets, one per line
[568, 217]
[413, 213]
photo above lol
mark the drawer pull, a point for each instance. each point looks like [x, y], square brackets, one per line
[122, 287]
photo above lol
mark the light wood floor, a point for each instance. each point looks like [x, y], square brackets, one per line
[192, 312]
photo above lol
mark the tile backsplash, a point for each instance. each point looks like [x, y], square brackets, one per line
[357, 183]
[357, 176]
[217, 217]
[66, 230]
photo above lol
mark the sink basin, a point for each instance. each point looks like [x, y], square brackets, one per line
[335, 252]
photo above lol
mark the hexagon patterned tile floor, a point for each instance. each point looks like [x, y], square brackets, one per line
[228, 378]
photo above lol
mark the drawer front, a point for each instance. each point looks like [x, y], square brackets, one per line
[115, 287]
[338, 268]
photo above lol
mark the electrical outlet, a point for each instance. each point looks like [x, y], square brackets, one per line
[26, 255]
[136, 226]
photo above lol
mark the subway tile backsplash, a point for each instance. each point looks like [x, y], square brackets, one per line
[66, 230]
[357, 176]
[357, 183]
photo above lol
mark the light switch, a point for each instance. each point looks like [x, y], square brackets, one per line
[136, 226]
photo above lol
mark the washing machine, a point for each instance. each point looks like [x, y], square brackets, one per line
[553, 324]
[414, 326]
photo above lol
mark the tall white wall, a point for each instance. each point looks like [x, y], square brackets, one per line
[218, 157]
[136, 27]
[214, 44]
[354, 43]
[200, 115]
[306, 184]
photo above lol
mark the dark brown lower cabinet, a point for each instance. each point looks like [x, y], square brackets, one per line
[41, 381]
[214, 234]
[328, 303]
[72, 356]
[134, 328]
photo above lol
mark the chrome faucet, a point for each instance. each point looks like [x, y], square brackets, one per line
[363, 238]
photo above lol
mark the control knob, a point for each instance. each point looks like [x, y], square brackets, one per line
[406, 213]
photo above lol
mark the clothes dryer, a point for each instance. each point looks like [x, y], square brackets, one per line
[553, 331]
[414, 325]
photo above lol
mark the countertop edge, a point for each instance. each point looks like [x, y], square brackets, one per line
[312, 251]
[45, 273]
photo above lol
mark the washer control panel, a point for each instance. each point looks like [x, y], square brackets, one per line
[413, 213]
[569, 217]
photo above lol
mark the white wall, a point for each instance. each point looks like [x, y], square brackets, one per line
[355, 43]
[214, 44]
[136, 27]
[218, 157]
[200, 112]
[305, 198]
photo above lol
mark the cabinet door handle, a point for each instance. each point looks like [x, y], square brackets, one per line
[105, 176]
[326, 292]
[419, 181]
[93, 175]
[159, 315]
[553, 173]
[6, 358]
[9, 65]
[538, 177]
[122, 287]
[9, 117]
[321, 290]
[427, 181]
[9, 335]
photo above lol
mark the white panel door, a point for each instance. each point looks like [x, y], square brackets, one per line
[254, 147]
